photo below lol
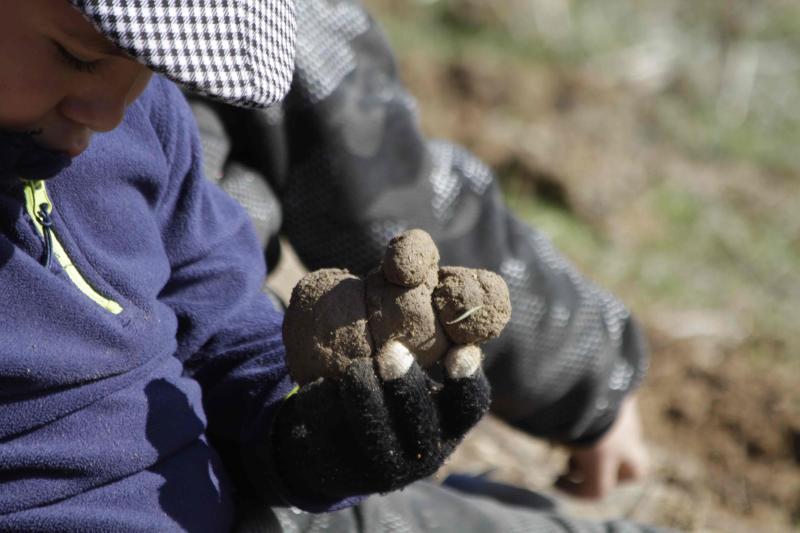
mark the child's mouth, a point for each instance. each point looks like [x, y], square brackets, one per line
[77, 148]
[74, 147]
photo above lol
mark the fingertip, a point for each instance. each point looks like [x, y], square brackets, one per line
[463, 361]
[567, 485]
[579, 489]
[394, 360]
[589, 477]
[633, 471]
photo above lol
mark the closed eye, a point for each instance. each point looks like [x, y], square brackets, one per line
[89, 67]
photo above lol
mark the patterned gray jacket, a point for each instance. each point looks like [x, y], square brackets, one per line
[343, 159]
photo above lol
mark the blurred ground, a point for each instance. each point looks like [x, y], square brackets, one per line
[656, 143]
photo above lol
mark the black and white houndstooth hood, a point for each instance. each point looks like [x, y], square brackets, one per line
[237, 51]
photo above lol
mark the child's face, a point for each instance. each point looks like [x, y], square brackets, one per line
[59, 77]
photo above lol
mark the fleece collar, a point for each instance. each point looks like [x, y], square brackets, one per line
[21, 157]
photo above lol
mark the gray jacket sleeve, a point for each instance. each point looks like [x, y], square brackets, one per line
[345, 156]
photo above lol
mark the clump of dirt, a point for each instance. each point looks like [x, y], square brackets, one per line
[334, 317]
[739, 417]
[327, 323]
[468, 304]
[406, 314]
[410, 258]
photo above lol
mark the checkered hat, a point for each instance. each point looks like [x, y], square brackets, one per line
[238, 51]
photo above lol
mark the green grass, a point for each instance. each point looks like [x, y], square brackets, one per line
[695, 125]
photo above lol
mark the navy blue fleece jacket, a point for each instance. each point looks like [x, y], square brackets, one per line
[120, 420]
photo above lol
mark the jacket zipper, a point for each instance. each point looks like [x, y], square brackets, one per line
[40, 207]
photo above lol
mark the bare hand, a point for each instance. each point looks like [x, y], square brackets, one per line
[619, 456]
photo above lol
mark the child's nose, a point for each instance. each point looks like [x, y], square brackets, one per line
[96, 113]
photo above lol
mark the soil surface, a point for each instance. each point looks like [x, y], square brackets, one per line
[723, 441]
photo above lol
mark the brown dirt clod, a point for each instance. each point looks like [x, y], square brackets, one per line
[406, 314]
[461, 290]
[325, 325]
[334, 316]
[409, 258]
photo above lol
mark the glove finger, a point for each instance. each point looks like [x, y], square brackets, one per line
[407, 392]
[369, 421]
[466, 394]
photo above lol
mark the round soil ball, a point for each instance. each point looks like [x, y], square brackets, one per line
[473, 305]
[410, 257]
[406, 315]
[325, 325]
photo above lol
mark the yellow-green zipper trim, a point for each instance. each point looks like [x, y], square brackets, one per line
[36, 196]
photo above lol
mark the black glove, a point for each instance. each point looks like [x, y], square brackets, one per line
[380, 426]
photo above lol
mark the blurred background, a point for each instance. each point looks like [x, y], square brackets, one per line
[658, 145]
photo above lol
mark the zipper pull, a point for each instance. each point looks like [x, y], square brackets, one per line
[43, 214]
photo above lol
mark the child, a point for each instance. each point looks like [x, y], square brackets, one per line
[141, 368]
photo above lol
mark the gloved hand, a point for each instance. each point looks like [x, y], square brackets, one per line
[383, 424]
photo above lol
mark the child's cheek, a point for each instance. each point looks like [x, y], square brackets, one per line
[27, 115]
[31, 86]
